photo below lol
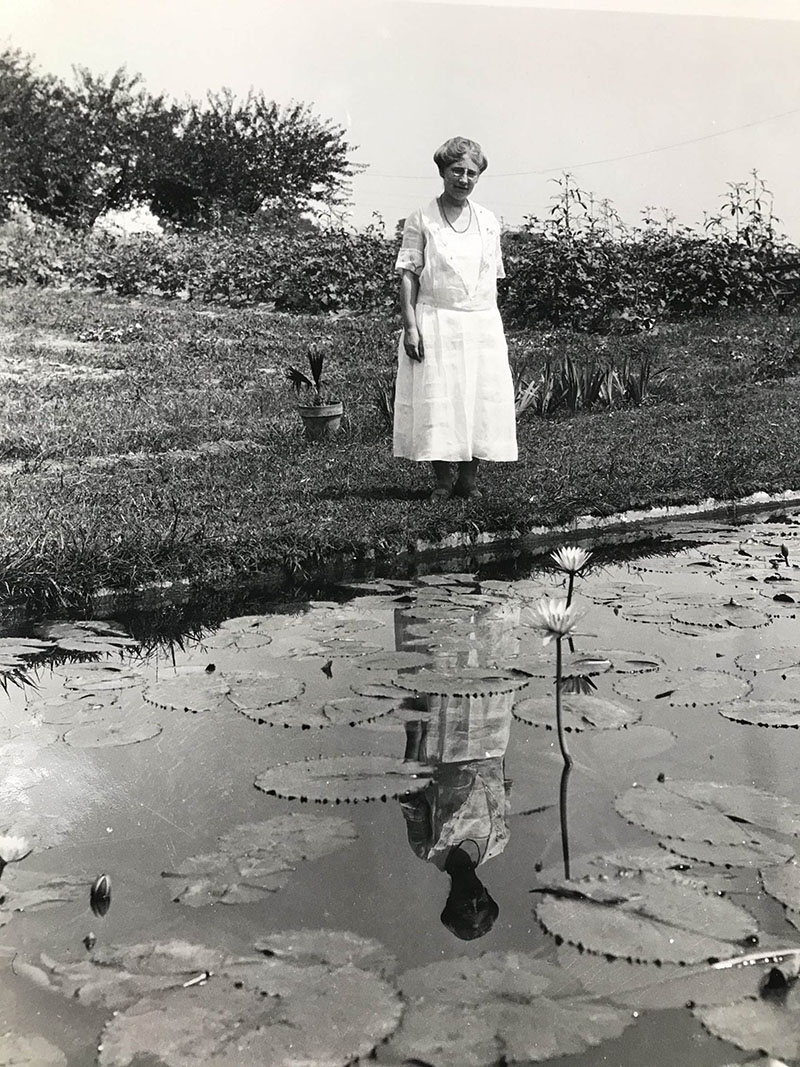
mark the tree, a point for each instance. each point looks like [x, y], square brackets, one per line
[127, 134]
[37, 159]
[243, 158]
[73, 151]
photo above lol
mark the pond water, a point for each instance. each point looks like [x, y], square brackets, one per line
[343, 830]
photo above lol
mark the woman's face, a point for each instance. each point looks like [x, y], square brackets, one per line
[460, 177]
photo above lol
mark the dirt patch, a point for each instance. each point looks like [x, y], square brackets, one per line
[205, 448]
[21, 370]
[43, 369]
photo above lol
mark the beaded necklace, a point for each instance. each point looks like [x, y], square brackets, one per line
[449, 223]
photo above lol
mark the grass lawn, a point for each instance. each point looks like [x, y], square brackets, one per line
[154, 441]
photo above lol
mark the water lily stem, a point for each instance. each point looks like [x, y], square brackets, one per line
[563, 813]
[570, 587]
[569, 601]
[560, 726]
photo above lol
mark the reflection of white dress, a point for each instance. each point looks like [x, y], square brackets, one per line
[458, 403]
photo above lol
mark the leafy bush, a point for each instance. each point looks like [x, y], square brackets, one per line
[318, 271]
[581, 268]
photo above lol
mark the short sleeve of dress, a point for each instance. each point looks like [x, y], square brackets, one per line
[412, 248]
[501, 270]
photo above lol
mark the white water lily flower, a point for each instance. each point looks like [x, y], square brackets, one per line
[13, 849]
[556, 617]
[571, 559]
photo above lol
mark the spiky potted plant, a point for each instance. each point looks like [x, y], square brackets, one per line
[321, 414]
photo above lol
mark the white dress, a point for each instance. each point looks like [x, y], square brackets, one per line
[458, 403]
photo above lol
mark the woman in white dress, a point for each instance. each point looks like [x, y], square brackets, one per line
[454, 399]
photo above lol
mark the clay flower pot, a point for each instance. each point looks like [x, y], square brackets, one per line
[321, 421]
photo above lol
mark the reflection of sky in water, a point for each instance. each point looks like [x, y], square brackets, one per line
[486, 824]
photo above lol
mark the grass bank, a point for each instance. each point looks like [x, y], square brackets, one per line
[147, 441]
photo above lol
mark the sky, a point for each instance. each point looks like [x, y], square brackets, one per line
[647, 104]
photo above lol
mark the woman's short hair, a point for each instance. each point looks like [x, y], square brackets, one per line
[470, 916]
[457, 147]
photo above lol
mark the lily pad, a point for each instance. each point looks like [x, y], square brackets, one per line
[673, 986]
[29, 1050]
[194, 689]
[782, 882]
[688, 688]
[728, 613]
[744, 804]
[751, 853]
[346, 648]
[271, 1012]
[379, 690]
[333, 948]
[782, 715]
[504, 1007]
[108, 679]
[579, 712]
[17, 652]
[587, 663]
[780, 661]
[615, 863]
[89, 635]
[758, 1024]
[650, 916]
[199, 690]
[393, 661]
[250, 624]
[22, 646]
[243, 632]
[432, 631]
[109, 733]
[623, 661]
[71, 711]
[639, 741]
[335, 779]
[466, 681]
[709, 811]
[454, 578]
[351, 625]
[26, 890]
[118, 976]
[253, 692]
[677, 818]
[257, 859]
[346, 711]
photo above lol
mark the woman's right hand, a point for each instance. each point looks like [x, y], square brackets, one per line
[412, 342]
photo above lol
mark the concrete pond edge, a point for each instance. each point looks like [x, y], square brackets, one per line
[636, 521]
[628, 526]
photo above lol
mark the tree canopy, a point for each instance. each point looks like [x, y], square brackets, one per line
[72, 151]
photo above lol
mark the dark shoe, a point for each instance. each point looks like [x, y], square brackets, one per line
[441, 492]
[467, 492]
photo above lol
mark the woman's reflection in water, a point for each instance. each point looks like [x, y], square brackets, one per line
[461, 819]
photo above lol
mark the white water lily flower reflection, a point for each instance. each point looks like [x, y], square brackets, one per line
[571, 559]
[13, 849]
[556, 617]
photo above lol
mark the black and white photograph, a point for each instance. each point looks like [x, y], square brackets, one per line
[399, 533]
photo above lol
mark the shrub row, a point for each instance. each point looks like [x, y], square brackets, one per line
[593, 282]
[590, 281]
[313, 271]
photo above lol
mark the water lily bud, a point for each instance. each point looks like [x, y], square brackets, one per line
[100, 895]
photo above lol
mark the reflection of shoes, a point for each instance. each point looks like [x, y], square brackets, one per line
[441, 492]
